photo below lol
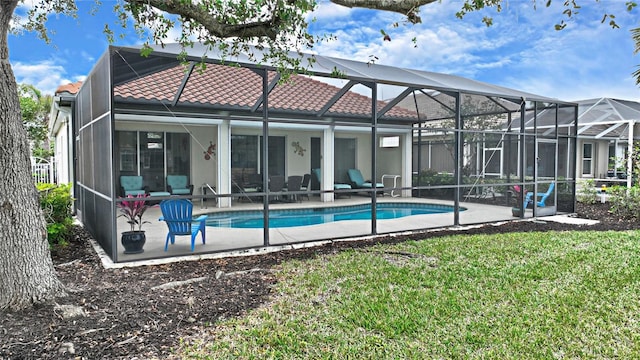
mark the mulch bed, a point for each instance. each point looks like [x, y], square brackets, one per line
[125, 317]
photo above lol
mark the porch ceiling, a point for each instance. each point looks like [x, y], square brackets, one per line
[607, 118]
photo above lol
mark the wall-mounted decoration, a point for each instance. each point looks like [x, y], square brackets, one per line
[297, 149]
[211, 151]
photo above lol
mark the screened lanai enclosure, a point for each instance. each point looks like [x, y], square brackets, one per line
[348, 149]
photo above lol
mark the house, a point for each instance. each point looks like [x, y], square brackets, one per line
[607, 135]
[233, 126]
[604, 127]
[62, 132]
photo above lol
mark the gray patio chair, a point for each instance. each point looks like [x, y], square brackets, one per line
[305, 186]
[294, 183]
[276, 184]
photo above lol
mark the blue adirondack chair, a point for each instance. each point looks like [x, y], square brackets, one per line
[177, 213]
[542, 197]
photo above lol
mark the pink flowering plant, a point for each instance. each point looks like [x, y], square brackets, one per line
[133, 210]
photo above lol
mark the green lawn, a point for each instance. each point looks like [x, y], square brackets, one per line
[513, 296]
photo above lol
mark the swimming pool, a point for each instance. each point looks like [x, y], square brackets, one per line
[253, 219]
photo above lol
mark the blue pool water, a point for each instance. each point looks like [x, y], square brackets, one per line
[302, 217]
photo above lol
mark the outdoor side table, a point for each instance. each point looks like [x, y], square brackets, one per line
[395, 183]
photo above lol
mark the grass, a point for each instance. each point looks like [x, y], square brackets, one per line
[525, 296]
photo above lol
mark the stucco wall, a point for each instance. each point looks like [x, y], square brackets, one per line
[389, 158]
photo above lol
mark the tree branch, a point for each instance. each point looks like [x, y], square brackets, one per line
[211, 23]
[404, 7]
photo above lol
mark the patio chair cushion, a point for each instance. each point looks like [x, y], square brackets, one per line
[132, 185]
[181, 191]
[179, 185]
[159, 193]
[357, 180]
[341, 186]
[336, 186]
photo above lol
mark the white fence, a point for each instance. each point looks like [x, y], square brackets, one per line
[43, 170]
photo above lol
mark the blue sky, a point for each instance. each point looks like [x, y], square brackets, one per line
[521, 50]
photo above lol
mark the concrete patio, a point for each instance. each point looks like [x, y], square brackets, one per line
[234, 239]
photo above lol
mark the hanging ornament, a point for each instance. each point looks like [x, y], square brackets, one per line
[211, 151]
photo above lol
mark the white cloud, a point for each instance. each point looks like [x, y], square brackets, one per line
[19, 18]
[328, 11]
[521, 50]
[88, 57]
[46, 76]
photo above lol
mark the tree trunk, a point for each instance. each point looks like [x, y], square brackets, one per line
[27, 275]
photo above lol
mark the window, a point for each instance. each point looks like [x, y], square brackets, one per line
[127, 143]
[492, 161]
[390, 141]
[587, 159]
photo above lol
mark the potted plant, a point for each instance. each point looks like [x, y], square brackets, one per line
[133, 210]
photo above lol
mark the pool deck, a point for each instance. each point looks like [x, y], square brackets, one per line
[229, 241]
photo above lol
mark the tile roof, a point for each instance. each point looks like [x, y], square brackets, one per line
[71, 88]
[237, 87]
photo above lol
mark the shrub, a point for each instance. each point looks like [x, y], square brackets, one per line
[433, 178]
[56, 201]
[588, 192]
[625, 202]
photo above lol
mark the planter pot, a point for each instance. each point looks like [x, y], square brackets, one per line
[515, 212]
[133, 241]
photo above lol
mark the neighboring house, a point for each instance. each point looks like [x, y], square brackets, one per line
[605, 126]
[232, 126]
[484, 153]
[607, 133]
[62, 132]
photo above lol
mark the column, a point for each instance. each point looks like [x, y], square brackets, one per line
[326, 183]
[224, 163]
[407, 161]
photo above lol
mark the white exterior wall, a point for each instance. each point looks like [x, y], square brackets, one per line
[600, 157]
[62, 135]
[299, 164]
[389, 158]
[62, 153]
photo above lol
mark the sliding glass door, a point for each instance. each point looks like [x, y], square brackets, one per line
[246, 158]
[153, 155]
[276, 155]
[344, 159]
[152, 160]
